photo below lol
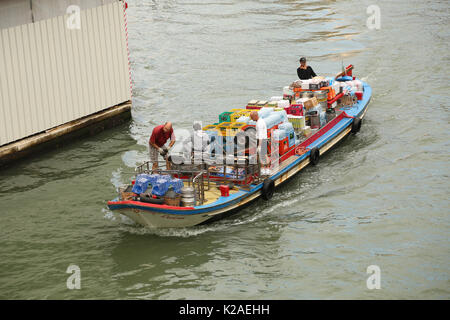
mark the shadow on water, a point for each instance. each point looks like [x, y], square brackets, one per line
[73, 159]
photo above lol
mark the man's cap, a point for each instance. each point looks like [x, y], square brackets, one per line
[302, 59]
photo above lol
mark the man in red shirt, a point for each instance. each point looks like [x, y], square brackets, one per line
[158, 139]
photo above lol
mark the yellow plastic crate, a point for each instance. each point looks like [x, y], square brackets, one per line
[246, 112]
[234, 116]
[237, 126]
[243, 113]
[210, 127]
[224, 128]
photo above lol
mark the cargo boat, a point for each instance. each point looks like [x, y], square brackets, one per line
[211, 203]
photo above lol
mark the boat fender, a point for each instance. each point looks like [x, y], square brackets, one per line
[356, 125]
[268, 189]
[314, 156]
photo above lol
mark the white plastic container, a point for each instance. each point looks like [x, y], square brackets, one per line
[272, 120]
[307, 131]
[283, 104]
[265, 112]
[287, 126]
[305, 84]
[284, 115]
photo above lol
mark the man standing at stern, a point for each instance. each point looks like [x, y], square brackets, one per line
[157, 142]
[305, 72]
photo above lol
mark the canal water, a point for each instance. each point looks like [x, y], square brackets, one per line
[381, 198]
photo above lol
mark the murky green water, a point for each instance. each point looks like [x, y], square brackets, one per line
[381, 198]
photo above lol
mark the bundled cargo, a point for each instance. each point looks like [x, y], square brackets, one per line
[321, 95]
[298, 122]
[283, 114]
[288, 93]
[272, 104]
[310, 103]
[279, 134]
[265, 112]
[296, 84]
[159, 184]
[144, 181]
[273, 119]
[295, 109]
[283, 104]
[307, 131]
[262, 103]
[314, 84]
[305, 84]
[287, 126]
[252, 104]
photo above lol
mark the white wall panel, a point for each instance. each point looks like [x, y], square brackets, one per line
[51, 75]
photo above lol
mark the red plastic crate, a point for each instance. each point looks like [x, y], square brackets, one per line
[359, 95]
[295, 110]
[252, 107]
[283, 145]
[224, 190]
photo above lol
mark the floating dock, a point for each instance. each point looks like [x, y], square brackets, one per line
[65, 73]
[55, 137]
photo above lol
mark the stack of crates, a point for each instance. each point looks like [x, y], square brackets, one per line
[236, 127]
[230, 128]
[224, 127]
[241, 113]
[253, 105]
[235, 115]
[227, 132]
[262, 103]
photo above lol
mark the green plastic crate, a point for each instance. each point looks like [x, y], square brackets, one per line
[225, 116]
